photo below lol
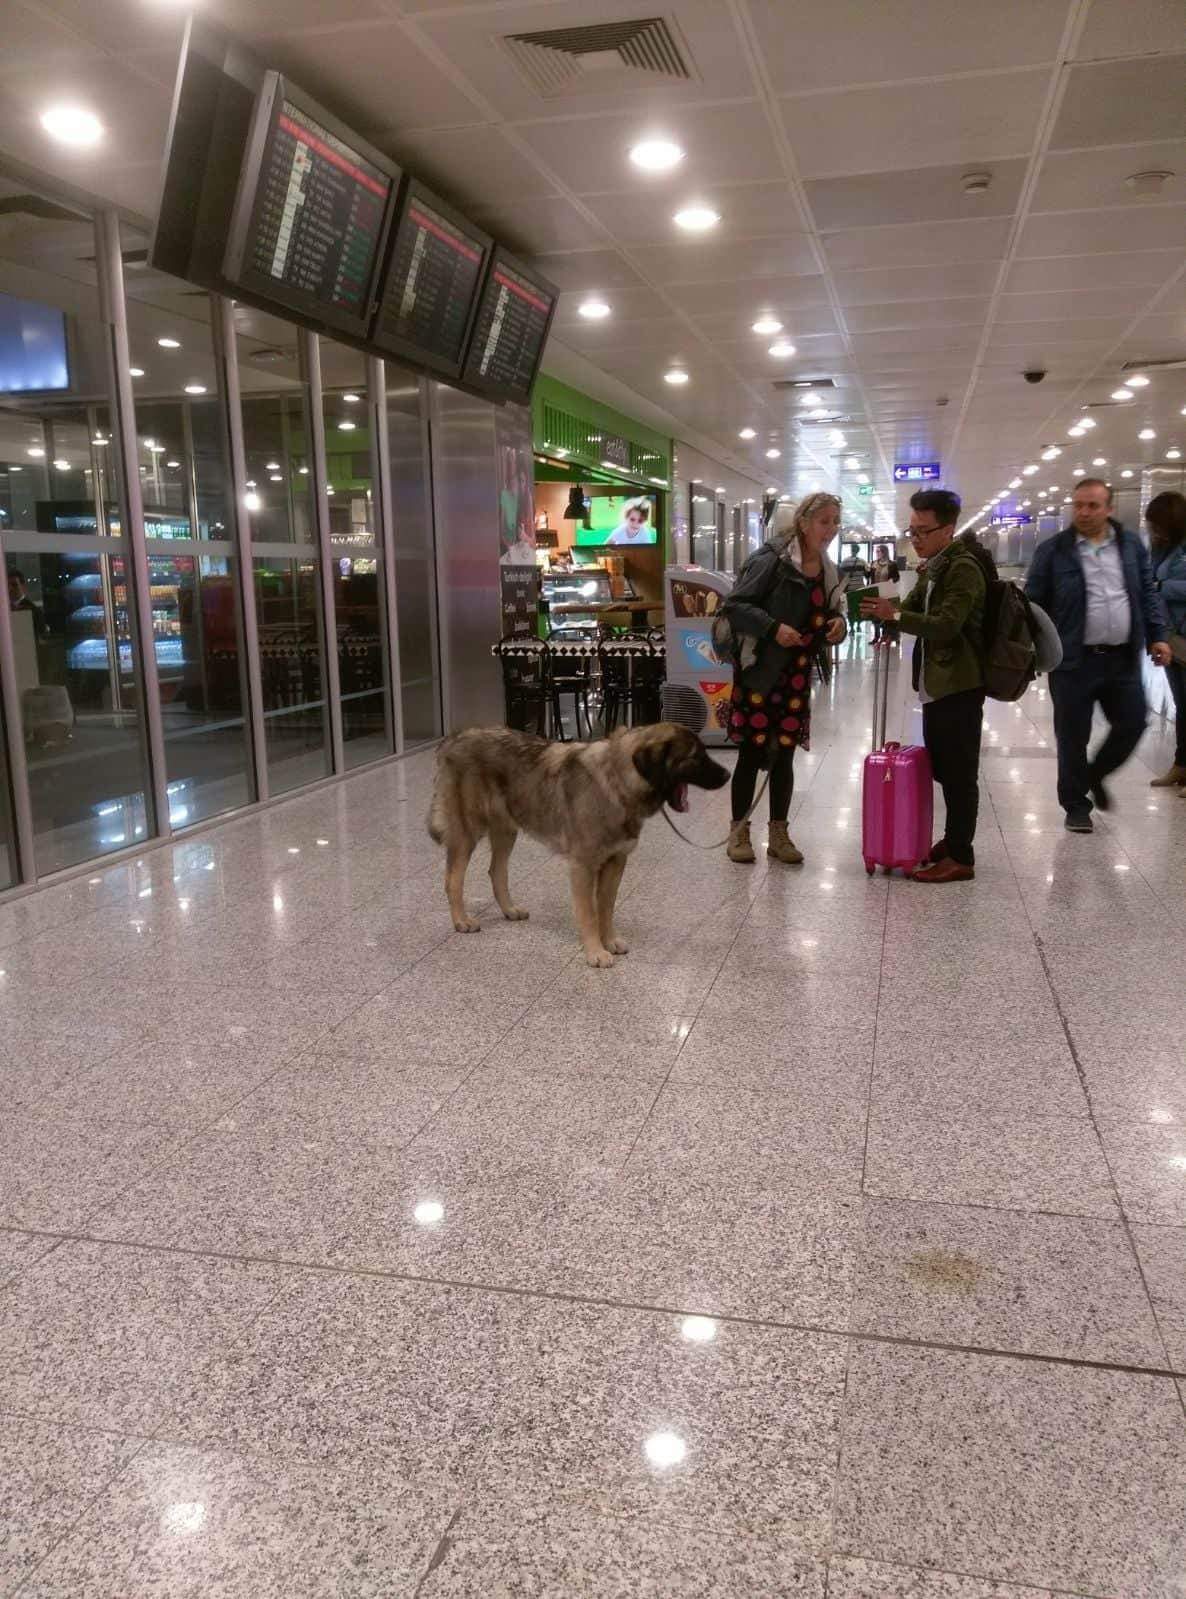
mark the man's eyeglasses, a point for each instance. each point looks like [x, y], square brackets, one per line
[925, 532]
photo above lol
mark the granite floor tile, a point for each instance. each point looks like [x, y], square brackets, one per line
[808, 1141]
[1042, 1285]
[1024, 1471]
[341, 1370]
[873, 1579]
[754, 1056]
[205, 1524]
[19, 1250]
[130, 1327]
[981, 1079]
[1137, 1086]
[604, 1557]
[713, 1424]
[49, 1476]
[1047, 1163]
[629, 1039]
[1162, 1253]
[178, 1086]
[55, 1173]
[414, 1023]
[342, 1098]
[1148, 1162]
[32, 1067]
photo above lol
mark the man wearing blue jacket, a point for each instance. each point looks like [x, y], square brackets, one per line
[1095, 581]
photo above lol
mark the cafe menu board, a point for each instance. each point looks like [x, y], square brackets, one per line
[312, 211]
[429, 292]
[514, 315]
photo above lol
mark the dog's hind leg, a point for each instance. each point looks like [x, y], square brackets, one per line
[502, 842]
[584, 904]
[608, 882]
[457, 857]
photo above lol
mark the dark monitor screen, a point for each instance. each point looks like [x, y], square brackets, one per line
[429, 292]
[312, 210]
[511, 329]
[34, 357]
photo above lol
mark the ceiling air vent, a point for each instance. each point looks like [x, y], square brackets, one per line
[1172, 364]
[604, 57]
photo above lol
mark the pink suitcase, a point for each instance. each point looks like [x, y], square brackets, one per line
[898, 803]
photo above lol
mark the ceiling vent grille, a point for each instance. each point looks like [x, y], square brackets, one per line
[1172, 364]
[605, 57]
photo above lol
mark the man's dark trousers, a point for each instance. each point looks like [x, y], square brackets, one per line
[951, 732]
[1111, 679]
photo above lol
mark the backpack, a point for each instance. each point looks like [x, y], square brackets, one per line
[1010, 653]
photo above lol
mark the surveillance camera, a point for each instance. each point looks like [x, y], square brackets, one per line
[1035, 374]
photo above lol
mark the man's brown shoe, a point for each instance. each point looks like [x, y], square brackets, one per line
[944, 871]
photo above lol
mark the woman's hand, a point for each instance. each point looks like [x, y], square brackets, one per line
[836, 630]
[788, 637]
[879, 610]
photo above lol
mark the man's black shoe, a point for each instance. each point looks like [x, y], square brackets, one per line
[1079, 822]
[1100, 795]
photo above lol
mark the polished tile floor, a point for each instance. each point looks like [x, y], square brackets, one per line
[833, 1244]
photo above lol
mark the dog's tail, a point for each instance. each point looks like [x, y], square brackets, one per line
[438, 809]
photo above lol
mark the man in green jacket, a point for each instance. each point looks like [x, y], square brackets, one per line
[945, 610]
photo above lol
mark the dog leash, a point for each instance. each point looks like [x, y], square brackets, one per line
[722, 842]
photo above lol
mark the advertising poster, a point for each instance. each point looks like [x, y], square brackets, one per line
[519, 594]
[516, 485]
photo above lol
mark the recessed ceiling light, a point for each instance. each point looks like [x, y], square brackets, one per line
[783, 349]
[1146, 433]
[1138, 380]
[1041, 494]
[676, 376]
[1099, 460]
[593, 310]
[851, 463]
[71, 124]
[35, 452]
[837, 438]
[767, 325]
[696, 218]
[271, 466]
[172, 463]
[1014, 482]
[1086, 422]
[253, 502]
[1173, 454]
[347, 427]
[656, 155]
[62, 466]
[275, 477]
[773, 454]
[862, 477]
[169, 344]
[352, 399]
[1028, 471]
[195, 388]
[157, 449]
[1052, 453]
[1122, 394]
[98, 439]
[1126, 472]
[136, 371]
[748, 433]
[1076, 432]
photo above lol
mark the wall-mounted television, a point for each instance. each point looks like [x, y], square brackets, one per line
[312, 211]
[619, 521]
[428, 294]
[34, 350]
[510, 330]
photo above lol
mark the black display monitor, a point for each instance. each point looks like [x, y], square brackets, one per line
[428, 294]
[510, 330]
[312, 211]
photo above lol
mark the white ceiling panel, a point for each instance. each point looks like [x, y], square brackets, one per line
[600, 270]
[944, 341]
[1011, 335]
[751, 209]
[828, 43]
[1152, 227]
[549, 224]
[464, 162]
[971, 121]
[628, 306]
[1146, 270]
[591, 154]
[1081, 306]
[918, 244]
[756, 294]
[711, 260]
[928, 194]
[1123, 102]
[1131, 28]
[916, 314]
[878, 286]
[798, 323]
[1085, 179]
[665, 335]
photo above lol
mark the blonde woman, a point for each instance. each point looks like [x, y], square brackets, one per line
[787, 599]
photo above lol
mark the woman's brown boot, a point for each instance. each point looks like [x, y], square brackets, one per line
[740, 849]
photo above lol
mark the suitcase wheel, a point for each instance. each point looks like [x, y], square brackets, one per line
[870, 870]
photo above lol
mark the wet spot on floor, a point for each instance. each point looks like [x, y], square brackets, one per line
[944, 1269]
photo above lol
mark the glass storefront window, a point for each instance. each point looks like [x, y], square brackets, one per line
[358, 559]
[65, 549]
[415, 559]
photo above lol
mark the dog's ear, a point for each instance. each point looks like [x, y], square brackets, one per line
[653, 764]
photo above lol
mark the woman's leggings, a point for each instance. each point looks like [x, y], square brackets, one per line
[745, 780]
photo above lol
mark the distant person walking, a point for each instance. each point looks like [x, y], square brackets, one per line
[1094, 580]
[1165, 517]
[945, 611]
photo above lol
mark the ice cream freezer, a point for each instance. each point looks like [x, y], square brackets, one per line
[695, 672]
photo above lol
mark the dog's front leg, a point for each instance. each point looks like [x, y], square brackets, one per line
[608, 882]
[584, 904]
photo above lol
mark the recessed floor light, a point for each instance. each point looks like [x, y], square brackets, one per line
[169, 344]
[656, 155]
[71, 124]
[593, 310]
[675, 377]
[767, 325]
[195, 388]
[1137, 381]
[748, 433]
[696, 218]
[782, 349]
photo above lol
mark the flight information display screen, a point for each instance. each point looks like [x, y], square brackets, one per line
[514, 315]
[429, 293]
[312, 211]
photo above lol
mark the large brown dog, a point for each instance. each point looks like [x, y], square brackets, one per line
[586, 801]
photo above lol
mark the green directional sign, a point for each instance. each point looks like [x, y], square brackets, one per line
[865, 490]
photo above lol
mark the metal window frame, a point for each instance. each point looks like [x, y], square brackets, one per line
[384, 515]
[310, 354]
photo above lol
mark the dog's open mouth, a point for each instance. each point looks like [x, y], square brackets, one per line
[679, 797]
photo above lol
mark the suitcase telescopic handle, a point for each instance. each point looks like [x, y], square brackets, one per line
[880, 692]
